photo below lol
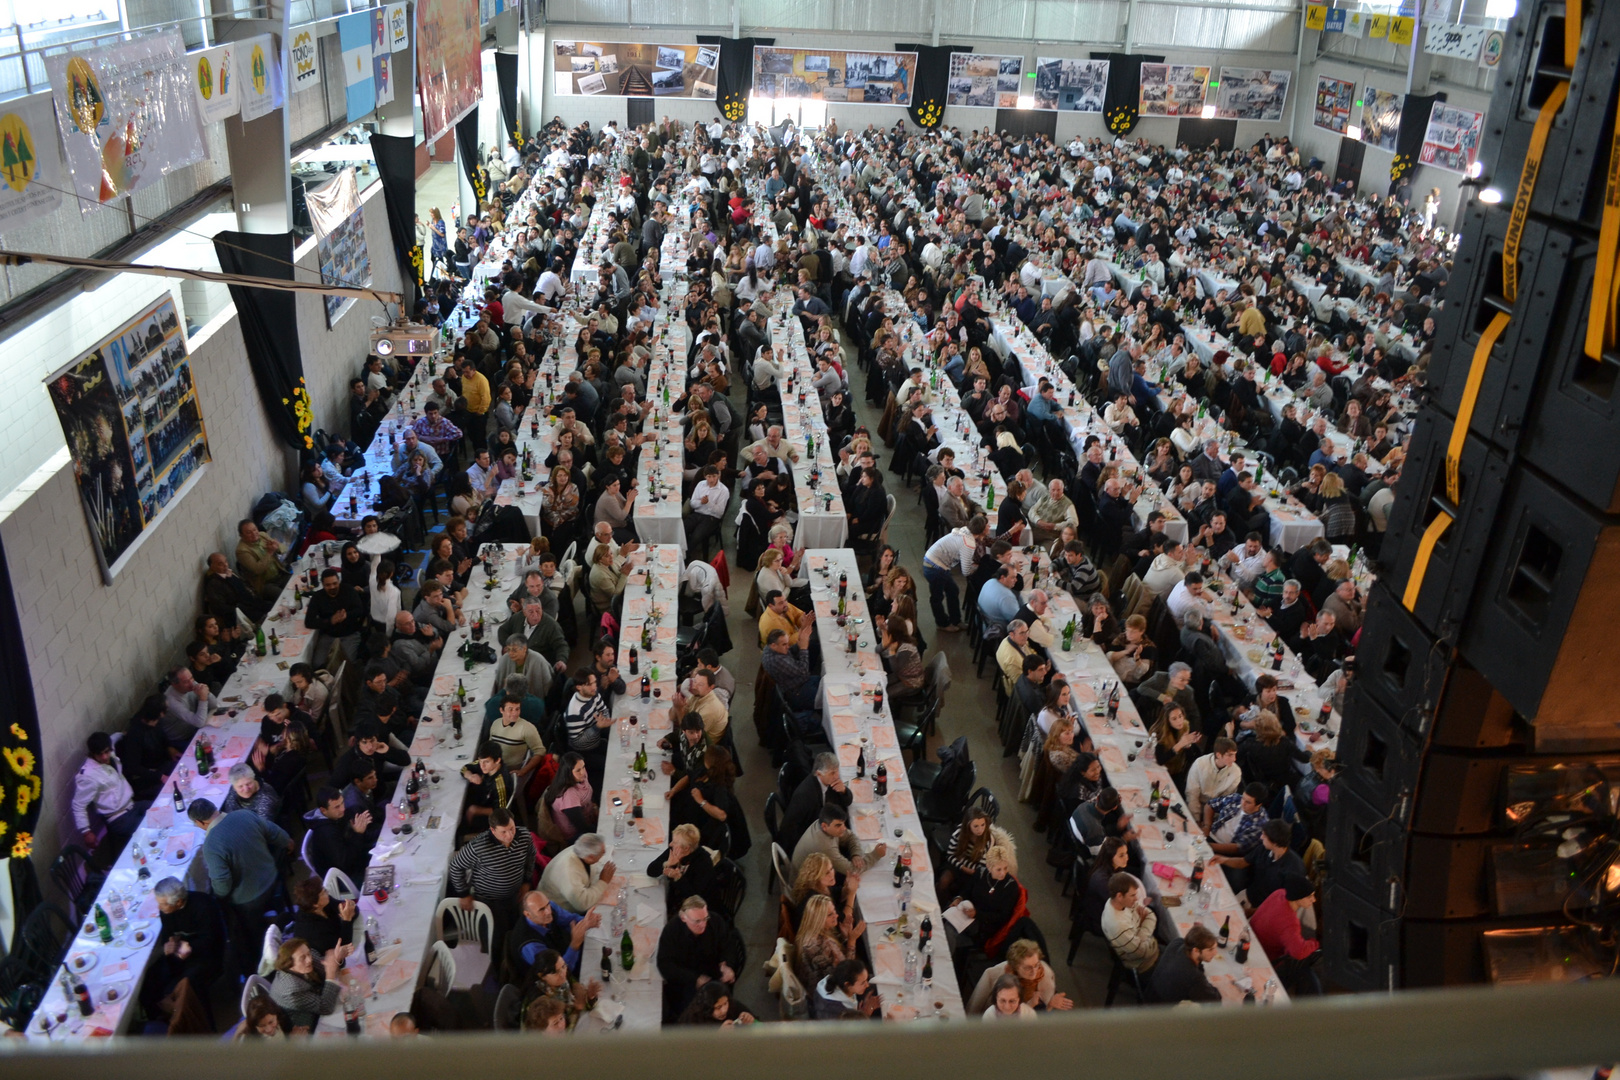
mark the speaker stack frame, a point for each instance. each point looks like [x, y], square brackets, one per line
[1488, 643]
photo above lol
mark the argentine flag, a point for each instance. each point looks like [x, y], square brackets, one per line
[354, 37]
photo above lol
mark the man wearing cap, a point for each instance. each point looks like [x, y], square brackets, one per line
[1275, 923]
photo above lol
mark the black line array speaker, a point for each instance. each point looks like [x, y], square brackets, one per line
[1487, 704]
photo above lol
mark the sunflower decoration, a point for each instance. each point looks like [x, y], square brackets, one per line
[303, 412]
[734, 108]
[23, 847]
[929, 113]
[1121, 119]
[20, 785]
[1400, 166]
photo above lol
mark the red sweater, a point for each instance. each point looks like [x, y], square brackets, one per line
[1276, 929]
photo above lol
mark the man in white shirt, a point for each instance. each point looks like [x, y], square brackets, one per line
[99, 785]
[1188, 594]
[551, 285]
[708, 504]
[1211, 776]
[481, 472]
[567, 878]
[515, 306]
[1246, 563]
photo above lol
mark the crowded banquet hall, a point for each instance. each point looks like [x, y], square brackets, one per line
[617, 536]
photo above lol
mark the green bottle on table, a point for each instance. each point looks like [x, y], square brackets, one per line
[627, 951]
[1068, 635]
[258, 641]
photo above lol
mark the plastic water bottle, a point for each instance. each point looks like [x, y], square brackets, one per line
[619, 917]
[911, 967]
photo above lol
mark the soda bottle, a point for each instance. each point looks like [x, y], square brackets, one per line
[880, 780]
[1242, 955]
[1196, 882]
[646, 689]
[635, 660]
[81, 996]
[843, 584]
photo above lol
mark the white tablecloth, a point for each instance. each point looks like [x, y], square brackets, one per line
[822, 519]
[849, 720]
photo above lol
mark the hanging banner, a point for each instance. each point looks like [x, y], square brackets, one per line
[216, 79]
[1490, 51]
[985, 81]
[382, 78]
[303, 56]
[134, 428]
[1401, 28]
[1315, 16]
[1334, 24]
[1334, 98]
[1460, 42]
[399, 28]
[1436, 11]
[380, 45]
[30, 163]
[354, 38]
[448, 68]
[1377, 26]
[260, 87]
[1252, 94]
[127, 114]
[1355, 24]
[1381, 118]
[626, 69]
[1173, 89]
[340, 240]
[1070, 85]
[1451, 141]
[828, 75]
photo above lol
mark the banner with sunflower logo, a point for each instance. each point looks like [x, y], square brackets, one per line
[270, 330]
[21, 769]
[1121, 103]
[932, 86]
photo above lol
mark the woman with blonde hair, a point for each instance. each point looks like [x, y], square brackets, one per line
[824, 941]
[816, 877]
[606, 580]
[1268, 757]
[1059, 745]
[559, 508]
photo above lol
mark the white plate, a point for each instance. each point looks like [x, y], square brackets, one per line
[139, 934]
[80, 962]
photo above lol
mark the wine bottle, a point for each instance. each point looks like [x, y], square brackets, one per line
[607, 964]
[860, 763]
[179, 800]
[1225, 936]
[636, 806]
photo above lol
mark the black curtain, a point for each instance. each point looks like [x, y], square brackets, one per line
[1199, 134]
[927, 108]
[270, 329]
[19, 738]
[1124, 88]
[396, 167]
[506, 79]
[1409, 138]
[467, 143]
[735, 77]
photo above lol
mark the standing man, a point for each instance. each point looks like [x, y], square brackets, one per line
[242, 854]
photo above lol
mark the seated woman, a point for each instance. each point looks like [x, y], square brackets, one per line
[709, 802]
[264, 1019]
[965, 852]
[714, 1004]
[773, 576]
[903, 663]
[607, 580]
[559, 509]
[322, 924]
[686, 868]
[1036, 982]
[1132, 654]
[816, 877]
[1007, 1001]
[886, 560]
[846, 991]
[824, 940]
[569, 804]
[306, 992]
[1176, 743]
[999, 903]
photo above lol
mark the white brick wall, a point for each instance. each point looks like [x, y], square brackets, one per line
[95, 651]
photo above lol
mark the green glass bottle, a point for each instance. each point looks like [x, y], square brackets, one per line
[627, 951]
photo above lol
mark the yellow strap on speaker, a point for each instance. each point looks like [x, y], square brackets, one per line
[1601, 320]
[1499, 322]
[1420, 564]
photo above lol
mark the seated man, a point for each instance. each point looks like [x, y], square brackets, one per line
[1128, 924]
[100, 785]
[705, 703]
[569, 878]
[998, 603]
[190, 944]
[518, 738]
[490, 784]
[788, 665]
[696, 948]
[778, 615]
[545, 925]
[833, 837]
[337, 838]
[256, 559]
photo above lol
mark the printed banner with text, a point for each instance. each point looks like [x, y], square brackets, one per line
[216, 75]
[127, 114]
[30, 163]
[1451, 141]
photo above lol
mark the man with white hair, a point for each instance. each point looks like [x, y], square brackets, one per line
[569, 880]
[1052, 512]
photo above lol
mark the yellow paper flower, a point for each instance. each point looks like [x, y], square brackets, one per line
[20, 758]
[4, 828]
[17, 730]
[25, 796]
[23, 847]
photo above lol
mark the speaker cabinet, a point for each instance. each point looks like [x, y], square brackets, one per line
[1399, 663]
[1361, 943]
[1542, 624]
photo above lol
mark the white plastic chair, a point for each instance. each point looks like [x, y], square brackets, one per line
[340, 886]
[475, 925]
[784, 868]
[441, 972]
[303, 851]
[272, 946]
[257, 986]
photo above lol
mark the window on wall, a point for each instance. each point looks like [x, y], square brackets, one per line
[1501, 9]
[805, 112]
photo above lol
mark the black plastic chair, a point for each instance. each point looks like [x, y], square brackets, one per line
[773, 817]
[72, 874]
[732, 887]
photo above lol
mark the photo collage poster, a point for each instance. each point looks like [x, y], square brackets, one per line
[622, 69]
[1451, 141]
[133, 425]
[875, 78]
[983, 81]
[1252, 94]
[1334, 99]
[1381, 118]
[1173, 90]
[1070, 85]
